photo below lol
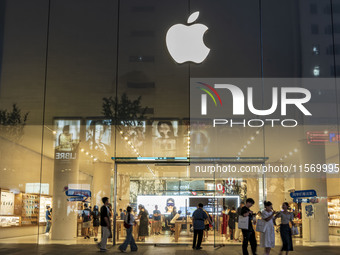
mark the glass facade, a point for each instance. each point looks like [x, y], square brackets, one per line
[93, 104]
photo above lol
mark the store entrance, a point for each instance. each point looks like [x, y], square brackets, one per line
[164, 196]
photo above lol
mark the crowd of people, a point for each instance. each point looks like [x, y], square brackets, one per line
[239, 224]
[267, 235]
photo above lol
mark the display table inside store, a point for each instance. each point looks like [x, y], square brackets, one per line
[120, 229]
[178, 228]
[17, 231]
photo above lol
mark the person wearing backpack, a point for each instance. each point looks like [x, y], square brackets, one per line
[96, 221]
[129, 221]
[86, 215]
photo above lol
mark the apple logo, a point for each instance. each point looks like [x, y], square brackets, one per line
[185, 43]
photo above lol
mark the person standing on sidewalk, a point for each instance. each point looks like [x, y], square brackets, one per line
[285, 230]
[267, 240]
[248, 234]
[129, 221]
[198, 218]
[238, 232]
[105, 224]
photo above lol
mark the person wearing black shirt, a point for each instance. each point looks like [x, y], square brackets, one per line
[105, 223]
[248, 234]
[238, 233]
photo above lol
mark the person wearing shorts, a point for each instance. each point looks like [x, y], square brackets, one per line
[86, 215]
[157, 221]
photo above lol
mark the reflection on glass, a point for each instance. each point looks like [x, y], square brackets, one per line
[67, 134]
[164, 137]
[98, 136]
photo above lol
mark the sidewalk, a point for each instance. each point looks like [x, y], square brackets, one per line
[51, 249]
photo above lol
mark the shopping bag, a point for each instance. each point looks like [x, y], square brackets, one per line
[295, 231]
[261, 226]
[243, 222]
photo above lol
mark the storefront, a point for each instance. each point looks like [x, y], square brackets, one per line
[103, 99]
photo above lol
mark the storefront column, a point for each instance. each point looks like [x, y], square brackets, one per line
[101, 182]
[123, 191]
[64, 212]
[275, 192]
[315, 229]
[253, 192]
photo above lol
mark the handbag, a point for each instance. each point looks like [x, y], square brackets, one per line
[261, 226]
[295, 231]
[243, 222]
[127, 226]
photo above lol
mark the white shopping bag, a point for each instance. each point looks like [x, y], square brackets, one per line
[261, 226]
[243, 222]
[295, 231]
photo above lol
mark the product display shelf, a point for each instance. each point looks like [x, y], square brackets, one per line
[334, 211]
[30, 209]
[334, 215]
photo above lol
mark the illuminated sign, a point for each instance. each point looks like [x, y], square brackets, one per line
[322, 137]
[185, 43]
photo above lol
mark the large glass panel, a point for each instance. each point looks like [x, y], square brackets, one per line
[79, 138]
[95, 102]
[21, 119]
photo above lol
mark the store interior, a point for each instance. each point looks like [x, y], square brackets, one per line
[150, 169]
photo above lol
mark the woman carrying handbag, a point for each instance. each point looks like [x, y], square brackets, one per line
[285, 230]
[129, 222]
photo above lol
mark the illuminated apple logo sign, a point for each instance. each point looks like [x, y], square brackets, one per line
[185, 43]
